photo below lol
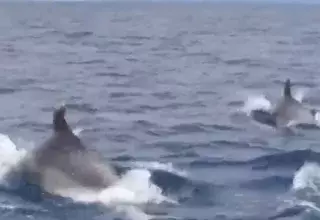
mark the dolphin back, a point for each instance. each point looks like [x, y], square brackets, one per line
[291, 111]
[63, 162]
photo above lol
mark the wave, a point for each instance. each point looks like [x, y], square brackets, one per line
[291, 159]
[274, 182]
[306, 182]
[306, 193]
[78, 34]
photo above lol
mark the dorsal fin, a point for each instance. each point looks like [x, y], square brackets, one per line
[287, 88]
[59, 122]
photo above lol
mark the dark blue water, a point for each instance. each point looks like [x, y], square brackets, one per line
[163, 83]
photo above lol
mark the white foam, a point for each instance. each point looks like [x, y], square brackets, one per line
[256, 102]
[317, 118]
[306, 186]
[136, 188]
[77, 131]
[307, 177]
[299, 94]
[125, 196]
[10, 155]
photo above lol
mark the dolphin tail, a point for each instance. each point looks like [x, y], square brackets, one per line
[287, 89]
[59, 122]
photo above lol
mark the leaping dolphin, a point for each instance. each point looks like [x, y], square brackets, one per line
[288, 111]
[64, 163]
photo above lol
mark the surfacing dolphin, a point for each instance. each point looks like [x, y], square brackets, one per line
[288, 111]
[63, 162]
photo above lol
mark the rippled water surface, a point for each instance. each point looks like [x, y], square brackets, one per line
[161, 87]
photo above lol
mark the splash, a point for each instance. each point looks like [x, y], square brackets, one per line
[256, 102]
[10, 156]
[299, 94]
[133, 189]
[77, 131]
[307, 178]
[142, 190]
[154, 165]
[306, 186]
[317, 118]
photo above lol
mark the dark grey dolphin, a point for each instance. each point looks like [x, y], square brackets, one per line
[64, 163]
[287, 111]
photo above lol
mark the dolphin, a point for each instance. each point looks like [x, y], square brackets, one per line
[64, 163]
[288, 111]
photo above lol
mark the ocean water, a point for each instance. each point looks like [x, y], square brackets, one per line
[163, 91]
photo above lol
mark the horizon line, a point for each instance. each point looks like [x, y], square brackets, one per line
[302, 2]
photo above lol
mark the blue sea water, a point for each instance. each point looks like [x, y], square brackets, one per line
[161, 90]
